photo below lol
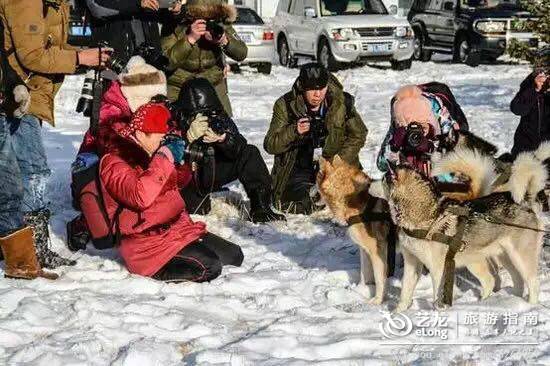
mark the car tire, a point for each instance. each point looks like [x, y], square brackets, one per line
[401, 65]
[264, 68]
[464, 52]
[325, 56]
[420, 53]
[285, 57]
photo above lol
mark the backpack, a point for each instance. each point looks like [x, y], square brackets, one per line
[88, 198]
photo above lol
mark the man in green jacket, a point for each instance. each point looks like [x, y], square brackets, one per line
[195, 49]
[315, 114]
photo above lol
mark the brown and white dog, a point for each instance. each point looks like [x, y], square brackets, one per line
[345, 190]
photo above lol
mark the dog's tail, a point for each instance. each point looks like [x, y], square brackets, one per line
[472, 164]
[528, 176]
[543, 151]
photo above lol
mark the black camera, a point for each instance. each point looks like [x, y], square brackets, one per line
[198, 152]
[414, 136]
[317, 131]
[215, 29]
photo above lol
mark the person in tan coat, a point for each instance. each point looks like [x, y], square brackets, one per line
[34, 45]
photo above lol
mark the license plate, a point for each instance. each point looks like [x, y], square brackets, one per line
[246, 37]
[379, 47]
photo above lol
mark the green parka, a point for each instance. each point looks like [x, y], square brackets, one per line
[203, 59]
[346, 131]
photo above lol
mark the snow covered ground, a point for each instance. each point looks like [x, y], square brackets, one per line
[295, 300]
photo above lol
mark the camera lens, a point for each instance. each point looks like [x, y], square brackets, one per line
[117, 65]
[85, 101]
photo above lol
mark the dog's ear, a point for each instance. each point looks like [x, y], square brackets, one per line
[324, 164]
[337, 160]
[361, 181]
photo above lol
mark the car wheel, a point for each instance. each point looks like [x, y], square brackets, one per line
[285, 57]
[401, 65]
[264, 68]
[325, 56]
[465, 53]
[420, 53]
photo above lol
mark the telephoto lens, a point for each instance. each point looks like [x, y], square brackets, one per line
[215, 29]
[86, 99]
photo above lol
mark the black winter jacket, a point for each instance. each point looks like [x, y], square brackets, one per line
[115, 21]
[534, 109]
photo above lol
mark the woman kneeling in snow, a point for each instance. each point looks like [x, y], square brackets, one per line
[140, 184]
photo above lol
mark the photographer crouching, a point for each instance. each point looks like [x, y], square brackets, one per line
[197, 47]
[316, 114]
[532, 103]
[219, 153]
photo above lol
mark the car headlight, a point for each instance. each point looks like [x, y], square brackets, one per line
[404, 32]
[343, 34]
[490, 27]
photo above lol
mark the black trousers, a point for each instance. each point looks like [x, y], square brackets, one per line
[248, 167]
[295, 197]
[201, 261]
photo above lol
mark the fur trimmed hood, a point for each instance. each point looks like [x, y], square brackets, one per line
[211, 9]
[141, 83]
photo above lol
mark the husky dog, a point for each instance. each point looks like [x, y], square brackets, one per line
[345, 190]
[416, 204]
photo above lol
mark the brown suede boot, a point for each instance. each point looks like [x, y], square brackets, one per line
[20, 256]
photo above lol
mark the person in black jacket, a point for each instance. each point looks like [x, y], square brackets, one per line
[532, 103]
[126, 25]
[233, 158]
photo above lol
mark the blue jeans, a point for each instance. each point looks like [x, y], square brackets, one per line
[24, 170]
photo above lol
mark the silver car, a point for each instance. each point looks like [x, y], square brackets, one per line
[335, 32]
[259, 39]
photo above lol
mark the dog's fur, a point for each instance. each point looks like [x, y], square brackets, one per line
[345, 189]
[415, 203]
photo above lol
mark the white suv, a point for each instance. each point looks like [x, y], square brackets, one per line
[341, 31]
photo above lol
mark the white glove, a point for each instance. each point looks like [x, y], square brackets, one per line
[22, 97]
[197, 128]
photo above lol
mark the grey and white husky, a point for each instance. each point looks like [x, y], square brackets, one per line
[416, 204]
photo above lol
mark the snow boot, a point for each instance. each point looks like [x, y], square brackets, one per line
[38, 221]
[20, 256]
[78, 234]
[260, 207]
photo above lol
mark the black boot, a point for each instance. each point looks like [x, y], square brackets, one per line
[78, 235]
[260, 207]
[38, 221]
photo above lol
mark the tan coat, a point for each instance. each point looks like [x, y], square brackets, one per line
[37, 49]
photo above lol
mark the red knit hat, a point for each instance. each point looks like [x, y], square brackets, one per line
[149, 118]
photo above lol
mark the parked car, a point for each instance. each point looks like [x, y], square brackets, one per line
[259, 39]
[335, 32]
[470, 30]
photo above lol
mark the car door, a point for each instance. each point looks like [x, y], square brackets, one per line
[294, 25]
[306, 28]
[431, 20]
[446, 23]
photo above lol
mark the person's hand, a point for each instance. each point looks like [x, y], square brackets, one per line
[540, 79]
[91, 57]
[150, 4]
[196, 31]
[226, 70]
[176, 145]
[210, 137]
[223, 41]
[303, 126]
[22, 97]
[197, 128]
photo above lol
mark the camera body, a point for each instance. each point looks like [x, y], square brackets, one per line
[215, 29]
[317, 131]
[414, 136]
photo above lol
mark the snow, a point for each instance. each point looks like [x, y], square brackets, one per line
[295, 300]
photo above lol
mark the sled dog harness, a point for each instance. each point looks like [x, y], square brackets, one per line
[368, 215]
[456, 244]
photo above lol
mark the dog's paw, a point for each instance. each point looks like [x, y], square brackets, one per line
[440, 305]
[402, 306]
[485, 293]
[377, 300]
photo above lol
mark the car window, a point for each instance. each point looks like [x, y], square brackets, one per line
[284, 6]
[352, 7]
[421, 5]
[487, 3]
[435, 5]
[247, 16]
[298, 7]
